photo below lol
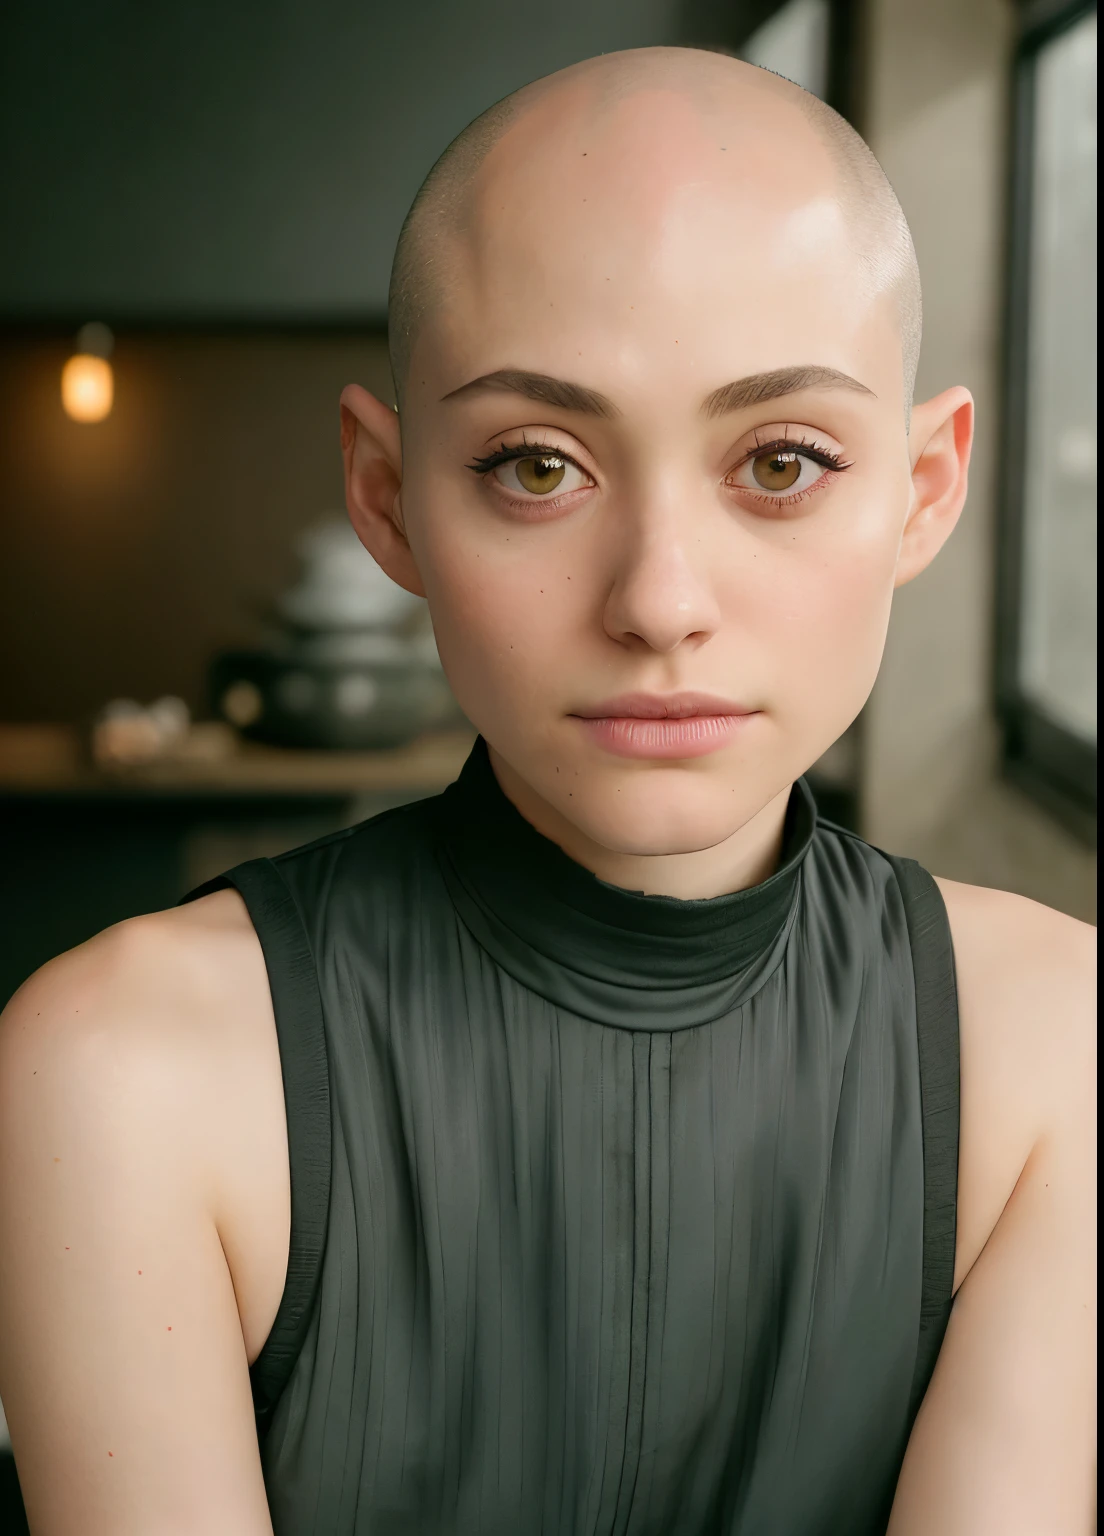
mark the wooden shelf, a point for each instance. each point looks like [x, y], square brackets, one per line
[37, 760]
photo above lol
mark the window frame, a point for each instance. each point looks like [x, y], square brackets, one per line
[1049, 762]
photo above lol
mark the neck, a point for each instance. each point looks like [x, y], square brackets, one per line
[750, 856]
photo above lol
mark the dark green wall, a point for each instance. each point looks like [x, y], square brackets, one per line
[242, 160]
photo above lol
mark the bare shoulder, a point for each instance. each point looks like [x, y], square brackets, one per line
[147, 972]
[981, 915]
[1026, 977]
[178, 1003]
[1025, 972]
[1005, 1438]
[151, 995]
[122, 1361]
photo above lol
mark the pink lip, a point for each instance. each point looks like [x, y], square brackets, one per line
[651, 725]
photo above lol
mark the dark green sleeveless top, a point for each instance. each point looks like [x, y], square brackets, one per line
[611, 1214]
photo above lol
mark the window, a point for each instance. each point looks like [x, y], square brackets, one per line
[1046, 646]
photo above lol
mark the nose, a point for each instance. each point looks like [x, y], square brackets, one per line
[661, 596]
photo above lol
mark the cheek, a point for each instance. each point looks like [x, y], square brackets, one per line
[498, 618]
[821, 610]
[840, 599]
[844, 599]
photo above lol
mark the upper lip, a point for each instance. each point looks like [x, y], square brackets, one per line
[662, 706]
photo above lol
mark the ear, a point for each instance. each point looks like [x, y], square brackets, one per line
[940, 435]
[372, 450]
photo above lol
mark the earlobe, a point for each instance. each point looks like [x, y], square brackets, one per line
[372, 450]
[939, 445]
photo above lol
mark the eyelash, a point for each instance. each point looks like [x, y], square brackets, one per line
[833, 462]
[825, 457]
[523, 450]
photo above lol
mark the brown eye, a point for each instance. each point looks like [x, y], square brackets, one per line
[533, 476]
[540, 476]
[776, 470]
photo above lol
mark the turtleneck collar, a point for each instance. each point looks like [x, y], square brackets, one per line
[614, 956]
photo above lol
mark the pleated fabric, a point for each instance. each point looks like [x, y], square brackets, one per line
[612, 1215]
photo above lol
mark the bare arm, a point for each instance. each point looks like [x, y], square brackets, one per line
[1004, 1444]
[122, 1366]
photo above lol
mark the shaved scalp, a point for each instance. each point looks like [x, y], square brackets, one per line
[880, 233]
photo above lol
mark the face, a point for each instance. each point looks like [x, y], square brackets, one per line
[660, 584]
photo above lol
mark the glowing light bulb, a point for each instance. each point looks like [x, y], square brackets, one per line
[87, 381]
[87, 387]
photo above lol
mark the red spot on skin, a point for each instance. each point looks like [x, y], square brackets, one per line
[169, 1328]
[67, 1247]
[111, 1453]
[139, 1271]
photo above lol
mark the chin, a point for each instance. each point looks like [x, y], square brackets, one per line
[661, 812]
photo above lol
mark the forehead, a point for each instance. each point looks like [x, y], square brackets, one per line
[655, 222]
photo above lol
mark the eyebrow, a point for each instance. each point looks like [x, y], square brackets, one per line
[541, 387]
[760, 387]
[755, 389]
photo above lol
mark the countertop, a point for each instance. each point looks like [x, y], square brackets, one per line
[53, 760]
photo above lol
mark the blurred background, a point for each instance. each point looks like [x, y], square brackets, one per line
[201, 204]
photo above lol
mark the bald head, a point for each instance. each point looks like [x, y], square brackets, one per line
[768, 125]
